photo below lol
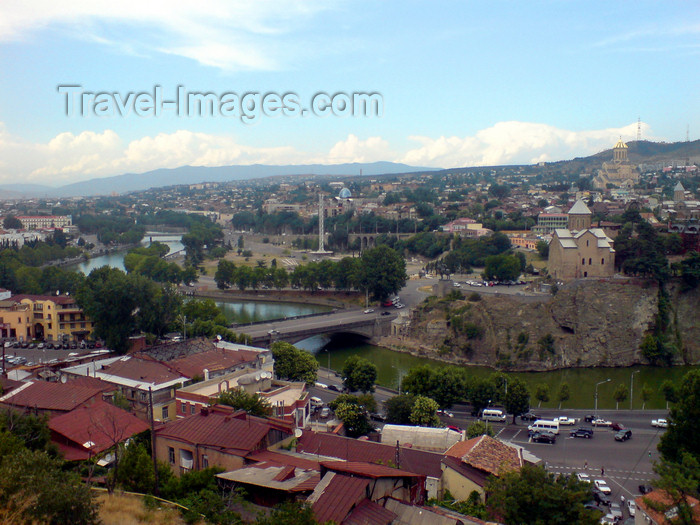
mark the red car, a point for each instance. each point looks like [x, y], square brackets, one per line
[618, 426]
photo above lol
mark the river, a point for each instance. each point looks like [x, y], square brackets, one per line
[394, 365]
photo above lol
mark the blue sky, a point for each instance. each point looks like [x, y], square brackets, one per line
[462, 83]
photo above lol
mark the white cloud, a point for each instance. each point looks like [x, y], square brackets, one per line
[227, 34]
[68, 157]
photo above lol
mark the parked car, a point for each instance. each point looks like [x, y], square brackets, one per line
[645, 489]
[659, 423]
[563, 420]
[325, 412]
[631, 507]
[590, 418]
[601, 423]
[334, 388]
[544, 437]
[586, 433]
[447, 413]
[623, 435]
[386, 313]
[369, 311]
[602, 486]
[616, 512]
[530, 416]
[582, 476]
[600, 497]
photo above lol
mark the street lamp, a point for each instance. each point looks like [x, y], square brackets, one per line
[632, 387]
[596, 395]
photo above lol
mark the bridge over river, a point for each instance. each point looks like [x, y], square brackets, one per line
[353, 321]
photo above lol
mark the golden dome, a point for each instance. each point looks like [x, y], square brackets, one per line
[620, 145]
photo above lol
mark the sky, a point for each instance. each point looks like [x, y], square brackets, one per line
[89, 88]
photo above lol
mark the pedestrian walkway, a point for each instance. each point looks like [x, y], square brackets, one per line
[609, 473]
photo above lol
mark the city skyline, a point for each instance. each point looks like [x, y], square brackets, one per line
[461, 84]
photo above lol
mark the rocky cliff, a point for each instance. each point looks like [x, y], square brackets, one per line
[587, 323]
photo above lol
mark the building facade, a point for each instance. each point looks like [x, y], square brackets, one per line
[37, 222]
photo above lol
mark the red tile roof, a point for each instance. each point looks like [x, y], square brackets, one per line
[661, 499]
[212, 360]
[487, 454]
[56, 299]
[369, 513]
[100, 423]
[140, 370]
[50, 396]
[91, 382]
[212, 428]
[333, 446]
[280, 458]
[333, 499]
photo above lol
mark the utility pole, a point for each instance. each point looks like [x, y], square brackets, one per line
[632, 387]
[153, 440]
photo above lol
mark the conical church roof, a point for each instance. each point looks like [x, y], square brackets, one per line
[580, 208]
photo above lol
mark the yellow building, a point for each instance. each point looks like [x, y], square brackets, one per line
[619, 172]
[55, 318]
[15, 320]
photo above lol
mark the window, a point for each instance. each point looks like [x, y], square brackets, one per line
[590, 261]
[171, 455]
[184, 408]
[192, 408]
[583, 261]
[586, 243]
[205, 461]
[142, 395]
[186, 459]
[165, 413]
[602, 261]
[49, 326]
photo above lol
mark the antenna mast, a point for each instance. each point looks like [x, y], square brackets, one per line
[639, 129]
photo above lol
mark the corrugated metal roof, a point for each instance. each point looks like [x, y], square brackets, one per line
[369, 470]
[216, 429]
[50, 396]
[334, 499]
[333, 446]
[101, 424]
[369, 513]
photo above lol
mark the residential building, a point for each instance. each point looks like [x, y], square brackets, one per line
[217, 436]
[37, 222]
[658, 508]
[55, 318]
[548, 222]
[139, 381]
[467, 465]
[52, 399]
[92, 430]
[15, 320]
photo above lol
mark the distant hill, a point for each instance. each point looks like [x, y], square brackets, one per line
[195, 174]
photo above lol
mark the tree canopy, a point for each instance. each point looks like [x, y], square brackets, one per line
[359, 374]
[294, 364]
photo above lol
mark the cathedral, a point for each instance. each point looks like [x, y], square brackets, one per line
[619, 172]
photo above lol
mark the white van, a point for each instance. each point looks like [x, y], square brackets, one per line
[316, 402]
[492, 414]
[545, 425]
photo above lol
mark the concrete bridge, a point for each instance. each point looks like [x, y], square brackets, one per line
[368, 240]
[370, 326]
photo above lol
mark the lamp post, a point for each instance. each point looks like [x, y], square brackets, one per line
[328, 351]
[632, 387]
[596, 395]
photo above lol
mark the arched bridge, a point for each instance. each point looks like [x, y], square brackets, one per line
[354, 321]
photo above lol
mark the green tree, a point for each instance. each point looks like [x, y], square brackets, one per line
[424, 412]
[419, 381]
[479, 428]
[253, 404]
[670, 392]
[481, 393]
[542, 393]
[398, 409]
[534, 496]
[620, 395]
[225, 274]
[354, 418]
[564, 393]
[646, 394]
[289, 513]
[543, 249]
[11, 223]
[359, 374]
[517, 400]
[365, 401]
[502, 268]
[294, 364]
[684, 421]
[382, 271]
[680, 480]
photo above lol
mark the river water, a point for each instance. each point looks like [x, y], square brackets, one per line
[392, 366]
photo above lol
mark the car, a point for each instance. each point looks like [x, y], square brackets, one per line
[623, 435]
[608, 519]
[602, 486]
[40, 346]
[399, 306]
[659, 423]
[325, 412]
[645, 489]
[544, 437]
[592, 506]
[334, 388]
[582, 476]
[48, 346]
[616, 512]
[563, 420]
[530, 416]
[600, 497]
[321, 385]
[369, 311]
[273, 332]
[586, 433]
[32, 345]
[442, 412]
[601, 423]
[454, 428]
[376, 416]
[617, 426]
[590, 418]
[386, 313]
[631, 507]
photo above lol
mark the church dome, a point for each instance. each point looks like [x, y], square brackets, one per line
[345, 193]
[620, 145]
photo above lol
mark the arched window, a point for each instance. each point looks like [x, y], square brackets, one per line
[585, 274]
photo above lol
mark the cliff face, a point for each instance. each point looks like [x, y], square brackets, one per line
[588, 323]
